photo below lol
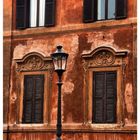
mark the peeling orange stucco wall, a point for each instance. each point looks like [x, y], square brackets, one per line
[76, 38]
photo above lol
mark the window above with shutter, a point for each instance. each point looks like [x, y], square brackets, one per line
[95, 10]
[35, 13]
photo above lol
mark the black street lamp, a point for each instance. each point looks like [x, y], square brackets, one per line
[60, 61]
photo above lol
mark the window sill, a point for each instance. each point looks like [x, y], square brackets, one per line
[82, 128]
[70, 28]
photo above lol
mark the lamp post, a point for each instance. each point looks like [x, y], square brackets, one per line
[60, 61]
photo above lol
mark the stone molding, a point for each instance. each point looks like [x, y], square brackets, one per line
[33, 62]
[103, 56]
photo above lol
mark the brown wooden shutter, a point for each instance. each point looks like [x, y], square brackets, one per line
[33, 99]
[50, 6]
[104, 97]
[98, 95]
[121, 9]
[38, 103]
[111, 97]
[28, 99]
[89, 10]
[22, 13]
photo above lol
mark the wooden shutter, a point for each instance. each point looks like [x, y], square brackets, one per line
[104, 97]
[121, 9]
[33, 99]
[111, 97]
[50, 13]
[38, 103]
[90, 10]
[98, 95]
[22, 13]
[28, 99]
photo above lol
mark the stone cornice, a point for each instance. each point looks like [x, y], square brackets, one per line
[82, 128]
[30, 32]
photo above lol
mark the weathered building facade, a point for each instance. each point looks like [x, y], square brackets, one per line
[99, 49]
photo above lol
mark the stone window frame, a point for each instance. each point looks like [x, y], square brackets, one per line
[34, 64]
[103, 59]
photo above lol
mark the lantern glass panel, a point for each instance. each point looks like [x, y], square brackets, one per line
[64, 63]
[55, 63]
[59, 62]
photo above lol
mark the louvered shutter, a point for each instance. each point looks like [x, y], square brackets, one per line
[33, 99]
[28, 99]
[121, 9]
[50, 6]
[98, 94]
[110, 97]
[38, 103]
[90, 10]
[22, 13]
[104, 97]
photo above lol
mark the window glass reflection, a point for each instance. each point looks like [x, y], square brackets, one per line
[111, 9]
[101, 9]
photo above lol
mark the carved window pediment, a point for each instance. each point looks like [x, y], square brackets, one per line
[33, 62]
[101, 65]
[103, 56]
